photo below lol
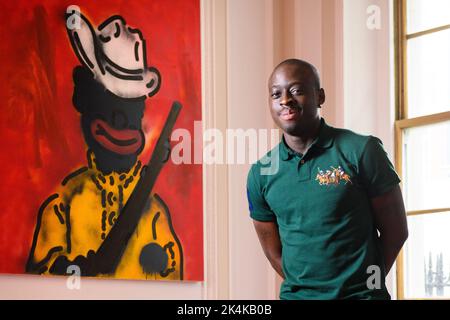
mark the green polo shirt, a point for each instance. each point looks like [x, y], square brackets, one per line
[321, 203]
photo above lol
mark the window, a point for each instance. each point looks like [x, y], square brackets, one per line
[423, 145]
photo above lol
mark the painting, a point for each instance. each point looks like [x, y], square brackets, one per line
[91, 93]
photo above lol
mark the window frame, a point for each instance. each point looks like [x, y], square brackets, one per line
[402, 121]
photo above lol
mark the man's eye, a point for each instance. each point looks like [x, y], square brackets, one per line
[297, 91]
[275, 95]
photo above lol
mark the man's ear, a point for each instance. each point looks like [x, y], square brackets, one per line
[321, 97]
[155, 82]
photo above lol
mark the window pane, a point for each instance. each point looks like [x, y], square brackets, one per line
[427, 14]
[427, 256]
[429, 74]
[426, 167]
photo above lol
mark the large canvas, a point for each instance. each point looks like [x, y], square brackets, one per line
[90, 95]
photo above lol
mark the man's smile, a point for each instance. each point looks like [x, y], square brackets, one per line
[288, 114]
[126, 141]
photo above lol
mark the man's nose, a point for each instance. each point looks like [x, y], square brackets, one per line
[286, 99]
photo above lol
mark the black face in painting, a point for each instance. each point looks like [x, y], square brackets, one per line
[295, 97]
[111, 125]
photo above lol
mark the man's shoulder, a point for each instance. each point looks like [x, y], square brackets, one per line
[265, 167]
[349, 139]
[349, 136]
[267, 159]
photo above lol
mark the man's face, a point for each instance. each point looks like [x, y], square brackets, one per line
[294, 98]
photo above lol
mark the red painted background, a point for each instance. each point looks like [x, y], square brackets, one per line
[40, 135]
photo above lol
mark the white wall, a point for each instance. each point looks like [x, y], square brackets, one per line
[249, 66]
[49, 287]
[368, 70]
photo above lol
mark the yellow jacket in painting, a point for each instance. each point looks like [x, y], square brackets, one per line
[77, 218]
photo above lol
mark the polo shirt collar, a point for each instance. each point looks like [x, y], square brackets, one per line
[324, 140]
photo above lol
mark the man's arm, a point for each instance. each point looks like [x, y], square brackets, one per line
[390, 220]
[270, 241]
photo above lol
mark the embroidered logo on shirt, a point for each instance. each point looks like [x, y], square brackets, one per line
[333, 176]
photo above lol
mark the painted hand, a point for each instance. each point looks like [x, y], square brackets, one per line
[155, 259]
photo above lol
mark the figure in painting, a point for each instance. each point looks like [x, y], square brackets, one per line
[82, 216]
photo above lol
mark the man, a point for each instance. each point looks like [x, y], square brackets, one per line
[75, 220]
[319, 215]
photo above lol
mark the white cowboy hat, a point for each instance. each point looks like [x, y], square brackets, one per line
[115, 53]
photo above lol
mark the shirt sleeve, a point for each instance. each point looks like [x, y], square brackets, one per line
[378, 173]
[259, 208]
